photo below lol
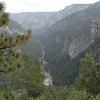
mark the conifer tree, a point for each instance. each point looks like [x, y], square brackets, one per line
[89, 77]
[9, 40]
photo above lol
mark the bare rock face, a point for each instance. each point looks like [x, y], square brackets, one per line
[76, 44]
[95, 29]
[48, 79]
[70, 10]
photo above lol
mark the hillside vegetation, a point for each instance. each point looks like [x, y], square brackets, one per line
[75, 77]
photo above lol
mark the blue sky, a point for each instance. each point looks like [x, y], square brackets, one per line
[40, 5]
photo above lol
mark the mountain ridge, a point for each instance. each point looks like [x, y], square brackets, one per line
[38, 20]
[64, 41]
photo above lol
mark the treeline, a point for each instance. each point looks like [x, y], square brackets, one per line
[27, 83]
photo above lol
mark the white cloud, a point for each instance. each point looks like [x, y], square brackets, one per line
[40, 5]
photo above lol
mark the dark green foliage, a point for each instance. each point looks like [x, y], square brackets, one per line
[63, 93]
[89, 77]
[51, 93]
[5, 19]
[9, 60]
[29, 77]
[17, 71]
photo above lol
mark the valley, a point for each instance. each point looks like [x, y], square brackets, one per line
[63, 35]
[50, 55]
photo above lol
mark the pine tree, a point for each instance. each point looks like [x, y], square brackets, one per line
[89, 77]
[9, 58]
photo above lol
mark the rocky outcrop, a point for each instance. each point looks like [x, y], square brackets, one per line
[70, 10]
[77, 43]
[48, 78]
[95, 29]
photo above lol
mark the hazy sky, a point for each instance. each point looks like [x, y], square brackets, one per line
[40, 5]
